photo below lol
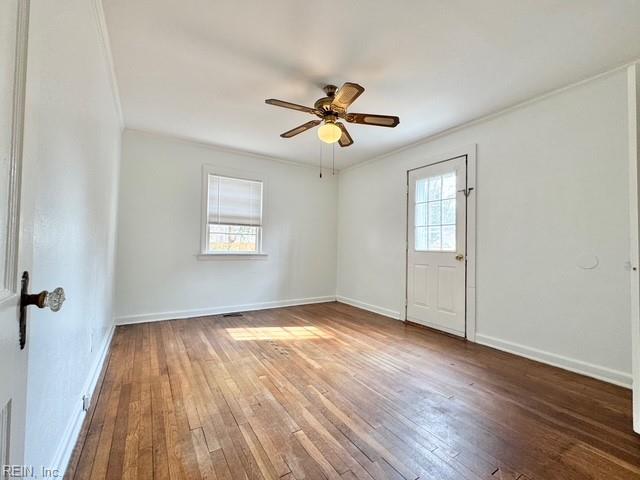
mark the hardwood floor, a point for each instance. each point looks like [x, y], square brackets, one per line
[331, 391]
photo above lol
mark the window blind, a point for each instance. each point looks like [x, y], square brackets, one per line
[234, 201]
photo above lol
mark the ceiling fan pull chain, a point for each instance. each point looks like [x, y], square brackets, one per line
[333, 159]
[321, 160]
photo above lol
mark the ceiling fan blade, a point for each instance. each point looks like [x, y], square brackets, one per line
[301, 128]
[292, 106]
[369, 119]
[345, 139]
[346, 95]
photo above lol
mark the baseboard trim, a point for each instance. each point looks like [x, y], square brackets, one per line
[70, 436]
[387, 312]
[203, 312]
[577, 366]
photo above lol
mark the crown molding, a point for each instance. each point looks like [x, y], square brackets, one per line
[224, 149]
[105, 42]
[492, 115]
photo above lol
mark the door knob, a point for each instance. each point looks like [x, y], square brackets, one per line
[460, 257]
[52, 300]
[44, 299]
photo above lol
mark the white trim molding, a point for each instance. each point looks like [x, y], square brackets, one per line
[491, 115]
[387, 312]
[233, 256]
[205, 312]
[633, 92]
[70, 436]
[105, 42]
[468, 151]
[233, 174]
[220, 148]
[573, 365]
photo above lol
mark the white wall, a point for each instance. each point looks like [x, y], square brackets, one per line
[71, 157]
[158, 272]
[552, 193]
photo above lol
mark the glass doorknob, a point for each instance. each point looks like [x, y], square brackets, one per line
[52, 300]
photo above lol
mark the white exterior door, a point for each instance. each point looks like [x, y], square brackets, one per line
[436, 256]
[13, 359]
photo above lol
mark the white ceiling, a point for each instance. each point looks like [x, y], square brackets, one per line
[202, 69]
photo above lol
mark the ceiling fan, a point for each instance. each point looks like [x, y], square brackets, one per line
[331, 108]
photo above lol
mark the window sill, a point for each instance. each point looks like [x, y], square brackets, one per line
[232, 256]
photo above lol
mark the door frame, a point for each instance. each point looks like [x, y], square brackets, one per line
[633, 92]
[470, 268]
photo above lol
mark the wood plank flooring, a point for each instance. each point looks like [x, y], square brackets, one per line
[331, 391]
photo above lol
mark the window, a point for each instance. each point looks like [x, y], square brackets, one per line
[435, 213]
[234, 215]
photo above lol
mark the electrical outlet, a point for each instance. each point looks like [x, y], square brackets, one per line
[86, 403]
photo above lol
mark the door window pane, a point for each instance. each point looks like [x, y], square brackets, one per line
[421, 238]
[449, 185]
[435, 187]
[421, 190]
[435, 213]
[421, 214]
[449, 212]
[433, 238]
[435, 218]
[448, 237]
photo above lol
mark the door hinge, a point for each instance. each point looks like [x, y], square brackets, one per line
[466, 191]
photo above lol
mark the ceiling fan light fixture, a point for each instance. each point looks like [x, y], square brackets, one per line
[329, 132]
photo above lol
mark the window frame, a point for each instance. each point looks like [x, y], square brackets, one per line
[205, 253]
[427, 201]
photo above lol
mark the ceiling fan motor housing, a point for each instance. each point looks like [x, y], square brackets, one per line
[330, 112]
[326, 108]
[330, 90]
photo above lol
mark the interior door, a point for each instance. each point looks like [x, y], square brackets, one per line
[436, 262]
[13, 359]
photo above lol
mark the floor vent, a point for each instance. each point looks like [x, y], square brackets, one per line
[232, 315]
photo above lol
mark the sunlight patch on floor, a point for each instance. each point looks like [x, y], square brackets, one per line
[277, 333]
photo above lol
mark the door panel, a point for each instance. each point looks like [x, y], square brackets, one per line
[421, 284]
[446, 289]
[436, 246]
[13, 360]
